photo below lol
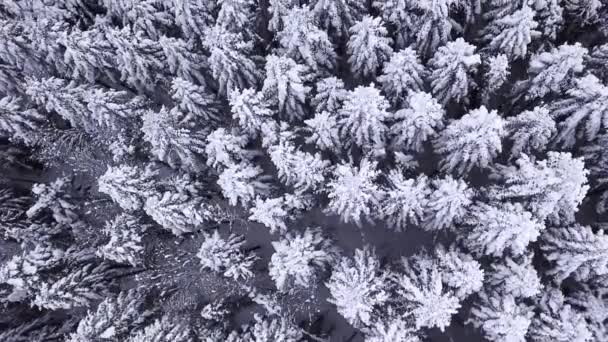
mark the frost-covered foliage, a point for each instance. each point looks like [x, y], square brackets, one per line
[551, 188]
[421, 288]
[403, 75]
[284, 86]
[125, 243]
[358, 287]
[467, 137]
[404, 200]
[128, 186]
[584, 110]
[474, 140]
[501, 318]
[530, 131]
[362, 118]
[452, 68]
[298, 258]
[447, 204]
[418, 122]
[226, 256]
[368, 46]
[576, 250]
[516, 277]
[550, 72]
[500, 227]
[353, 192]
[558, 321]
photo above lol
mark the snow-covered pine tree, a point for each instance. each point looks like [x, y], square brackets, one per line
[474, 140]
[501, 318]
[266, 329]
[193, 16]
[324, 131]
[403, 200]
[590, 301]
[114, 318]
[551, 72]
[278, 9]
[226, 256]
[15, 122]
[180, 147]
[498, 71]
[305, 43]
[330, 95]
[530, 131]
[125, 244]
[362, 119]
[358, 287]
[418, 122]
[284, 85]
[557, 321]
[250, 110]
[300, 259]
[368, 47]
[275, 212]
[225, 148]
[459, 271]
[447, 204]
[575, 251]
[128, 186]
[353, 193]
[585, 12]
[55, 198]
[163, 329]
[512, 34]
[230, 60]
[337, 16]
[552, 188]
[235, 15]
[403, 75]
[515, 277]
[242, 183]
[422, 291]
[501, 227]
[452, 69]
[302, 170]
[583, 113]
[178, 212]
[197, 105]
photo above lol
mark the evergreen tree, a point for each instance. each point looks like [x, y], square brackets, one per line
[163, 329]
[551, 72]
[368, 47]
[471, 141]
[338, 16]
[448, 203]
[422, 290]
[196, 104]
[453, 67]
[279, 329]
[577, 251]
[418, 122]
[330, 95]
[180, 147]
[278, 9]
[178, 212]
[362, 118]
[558, 321]
[275, 212]
[496, 76]
[55, 198]
[284, 85]
[225, 148]
[193, 16]
[403, 201]
[513, 33]
[403, 75]
[459, 271]
[358, 287]
[324, 131]
[125, 243]
[516, 277]
[304, 42]
[226, 256]
[501, 318]
[551, 188]
[229, 60]
[128, 186]
[530, 131]
[235, 15]
[585, 102]
[299, 258]
[500, 227]
[251, 110]
[241, 183]
[16, 123]
[353, 194]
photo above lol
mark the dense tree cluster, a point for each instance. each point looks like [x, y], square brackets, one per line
[239, 170]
